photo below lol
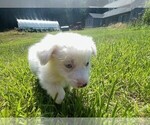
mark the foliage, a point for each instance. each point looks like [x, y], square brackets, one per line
[146, 16]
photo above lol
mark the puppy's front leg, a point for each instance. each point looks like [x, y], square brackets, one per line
[56, 92]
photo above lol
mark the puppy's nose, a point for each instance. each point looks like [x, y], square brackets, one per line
[82, 84]
[85, 84]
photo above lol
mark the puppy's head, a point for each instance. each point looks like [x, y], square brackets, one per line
[69, 56]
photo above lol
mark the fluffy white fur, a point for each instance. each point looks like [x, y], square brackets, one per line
[61, 60]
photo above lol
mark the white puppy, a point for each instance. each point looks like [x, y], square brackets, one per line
[61, 60]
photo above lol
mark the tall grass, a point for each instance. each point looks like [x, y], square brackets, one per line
[119, 81]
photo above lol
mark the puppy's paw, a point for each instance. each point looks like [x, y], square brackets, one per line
[59, 96]
[56, 92]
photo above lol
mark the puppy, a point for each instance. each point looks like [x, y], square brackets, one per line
[62, 60]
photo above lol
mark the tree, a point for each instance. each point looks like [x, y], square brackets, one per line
[146, 15]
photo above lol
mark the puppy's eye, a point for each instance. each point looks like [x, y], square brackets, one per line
[69, 66]
[87, 63]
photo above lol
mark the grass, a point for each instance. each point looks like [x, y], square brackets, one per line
[119, 81]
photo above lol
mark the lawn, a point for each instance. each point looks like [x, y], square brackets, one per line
[119, 81]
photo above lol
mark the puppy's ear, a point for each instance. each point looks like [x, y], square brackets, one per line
[94, 51]
[45, 55]
[46, 48]
[93, 46]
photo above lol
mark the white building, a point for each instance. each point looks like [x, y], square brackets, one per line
[24, 24]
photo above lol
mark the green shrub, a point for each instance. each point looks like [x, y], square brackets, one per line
[146, 15]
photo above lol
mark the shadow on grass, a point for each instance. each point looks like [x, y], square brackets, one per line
[72, 106]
